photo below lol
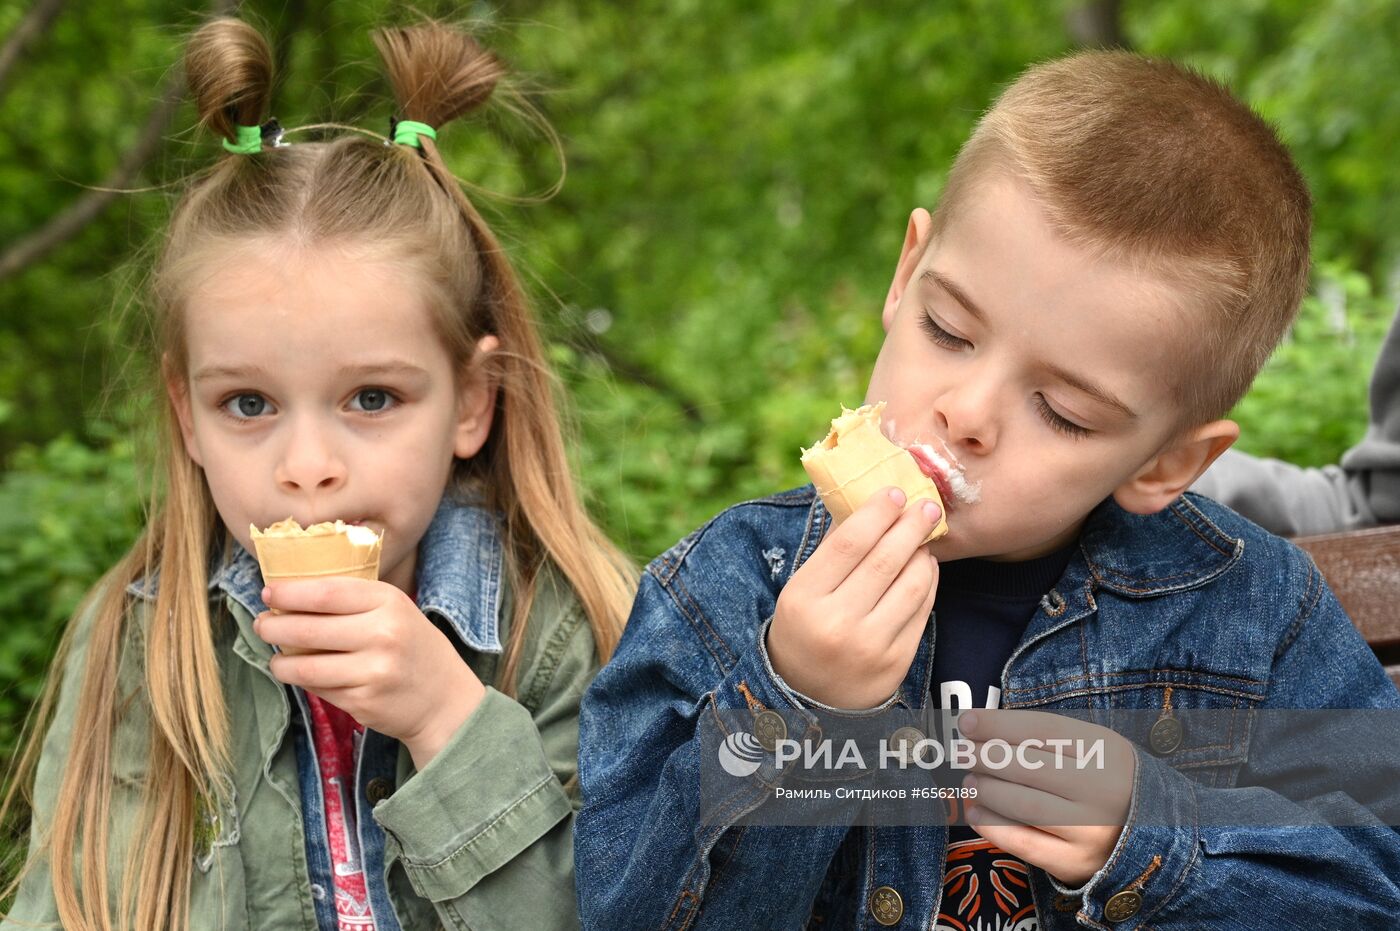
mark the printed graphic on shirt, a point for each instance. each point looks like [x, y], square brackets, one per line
[338, 740]
[984, 887]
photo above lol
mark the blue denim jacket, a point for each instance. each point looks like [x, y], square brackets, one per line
[1194, 601]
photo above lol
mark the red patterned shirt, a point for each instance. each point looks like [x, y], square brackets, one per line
[338, 737]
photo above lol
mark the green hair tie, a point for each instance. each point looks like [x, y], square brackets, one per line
[406, 132]
[249, 141]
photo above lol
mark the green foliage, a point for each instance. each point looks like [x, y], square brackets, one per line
[67, 512]
[710, 277]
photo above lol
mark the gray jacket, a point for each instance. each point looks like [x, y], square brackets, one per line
[1362, 491]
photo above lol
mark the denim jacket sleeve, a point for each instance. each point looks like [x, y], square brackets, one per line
[485, 830]
[646, 859]
[1193, 869]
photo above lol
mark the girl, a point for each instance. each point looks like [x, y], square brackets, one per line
[341, 336]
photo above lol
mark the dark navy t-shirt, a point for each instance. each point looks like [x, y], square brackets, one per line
[981, 611]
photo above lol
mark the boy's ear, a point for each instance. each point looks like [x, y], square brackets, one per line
[178, 388]
[476, 403]
[914, 238]
[1173, 470]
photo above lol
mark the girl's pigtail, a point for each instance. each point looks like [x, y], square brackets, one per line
[228, 67]
[439, 73]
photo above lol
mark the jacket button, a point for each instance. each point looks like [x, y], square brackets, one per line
[769, 727]
[1166, 736]
[903, 740]
[1123, 905]
[378, 790]
[886, 906]
[1066, 903]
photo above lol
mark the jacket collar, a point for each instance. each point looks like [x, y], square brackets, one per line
[1136, 555]
[460, 563]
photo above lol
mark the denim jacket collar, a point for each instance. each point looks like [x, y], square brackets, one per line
[460, 562]
[1135, 555]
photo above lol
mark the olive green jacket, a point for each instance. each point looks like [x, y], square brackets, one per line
[481, 838]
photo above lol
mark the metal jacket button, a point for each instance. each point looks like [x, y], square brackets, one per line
[886, 906]
[1123, 905]
[378, 790]
[769, 727]
[1166, 736]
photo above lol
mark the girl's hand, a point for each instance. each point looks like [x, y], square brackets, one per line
[849, 623]
[1016, 804]
[377, 658]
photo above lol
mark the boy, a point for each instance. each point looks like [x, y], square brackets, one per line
[1120, 246]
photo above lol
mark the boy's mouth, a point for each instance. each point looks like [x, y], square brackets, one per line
[943, 468]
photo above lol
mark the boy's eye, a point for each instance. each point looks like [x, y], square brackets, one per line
[1057, 422]
[940, 335]
[372, 400]
[246, 406]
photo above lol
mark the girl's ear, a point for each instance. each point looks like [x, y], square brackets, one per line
[178, 388]
[914, 238]
[476, 405]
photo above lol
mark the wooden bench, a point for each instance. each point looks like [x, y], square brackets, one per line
[1363, 568]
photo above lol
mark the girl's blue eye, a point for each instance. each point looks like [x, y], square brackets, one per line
[373, 400]
[246, 406]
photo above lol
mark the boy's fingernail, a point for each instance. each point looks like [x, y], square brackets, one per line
[970, 782]
[897, 496]
[967, 722]
[932, 512]
[266, 594]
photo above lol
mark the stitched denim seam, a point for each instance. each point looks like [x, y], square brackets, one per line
[1104, 689]
[1154, 683]
[695, 621]
[1191, 861]
[1312, 594]
[726, 662]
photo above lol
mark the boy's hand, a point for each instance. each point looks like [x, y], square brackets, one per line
[1016, 803]
[849, 623]
[377, 658]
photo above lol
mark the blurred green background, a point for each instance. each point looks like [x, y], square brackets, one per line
[739, 177]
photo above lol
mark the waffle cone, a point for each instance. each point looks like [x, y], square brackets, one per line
[286, 551]
[856, 459]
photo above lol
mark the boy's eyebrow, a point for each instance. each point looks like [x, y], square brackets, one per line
[1069, 378]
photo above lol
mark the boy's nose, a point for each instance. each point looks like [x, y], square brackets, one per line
[309, 463]
[967, 418]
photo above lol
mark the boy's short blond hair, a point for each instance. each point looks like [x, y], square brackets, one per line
[1150, 163]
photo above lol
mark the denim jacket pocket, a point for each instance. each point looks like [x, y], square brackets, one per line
[1194, 725]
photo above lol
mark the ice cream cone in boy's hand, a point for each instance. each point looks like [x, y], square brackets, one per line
[286, 551]
[856, 459]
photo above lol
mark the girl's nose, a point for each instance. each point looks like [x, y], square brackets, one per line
[309, 463]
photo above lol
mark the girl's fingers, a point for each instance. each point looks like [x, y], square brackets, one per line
[845, 547]
[321, 632]
[318, 672]
[335, 595]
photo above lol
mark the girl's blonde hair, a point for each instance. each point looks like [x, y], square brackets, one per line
[352, 191]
